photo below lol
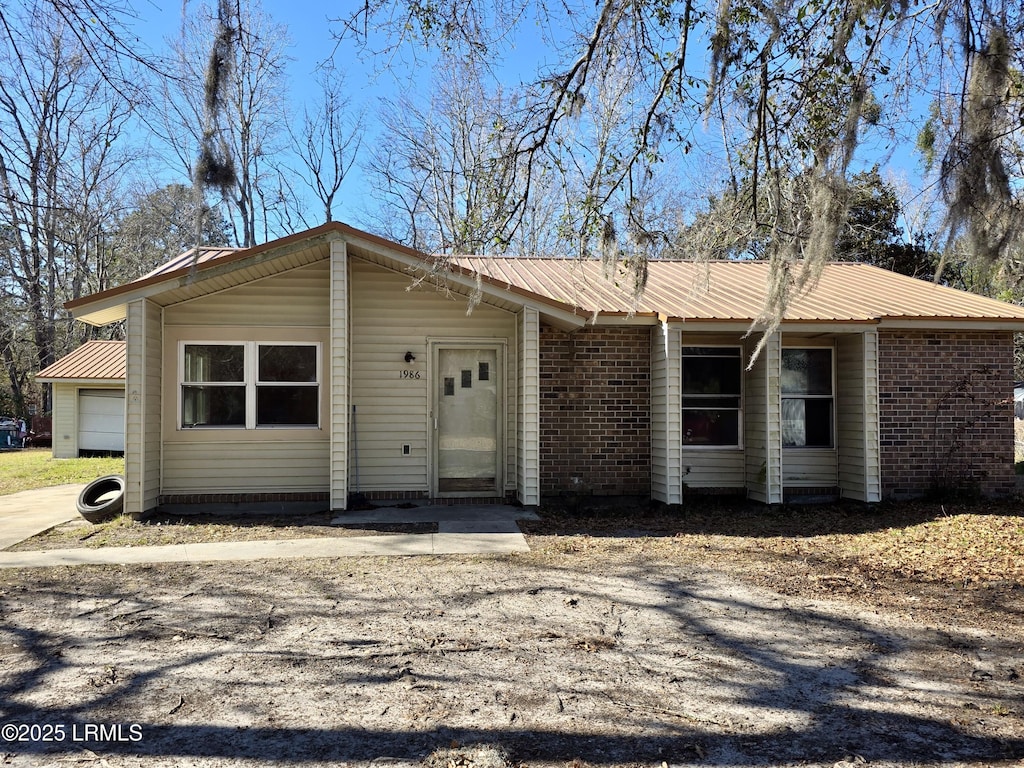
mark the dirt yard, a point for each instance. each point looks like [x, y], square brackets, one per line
[828, 637]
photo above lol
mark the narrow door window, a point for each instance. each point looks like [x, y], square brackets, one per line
[807, 399]
[712, 396]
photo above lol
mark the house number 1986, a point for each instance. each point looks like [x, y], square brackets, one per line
[409, 374]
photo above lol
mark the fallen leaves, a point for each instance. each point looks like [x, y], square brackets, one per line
[915, 555]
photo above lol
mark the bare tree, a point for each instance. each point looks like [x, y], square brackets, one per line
[451, 178]
[60, 133]
[795, 88]
[101, 30]
[446, 180]
[330, 140]
[224, 123]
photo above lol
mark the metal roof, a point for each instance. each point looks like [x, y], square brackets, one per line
[193, 257]
[573, 291]
[736, 291]
[93, 361]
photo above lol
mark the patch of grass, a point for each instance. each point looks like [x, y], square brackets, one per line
[36, 468]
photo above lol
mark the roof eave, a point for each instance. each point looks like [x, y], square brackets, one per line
[86, 382]
[111, 305]
[953, 323]
[852, 325]
[625, 318]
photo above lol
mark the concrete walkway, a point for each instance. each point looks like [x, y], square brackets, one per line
[25, 514]
[464, 530]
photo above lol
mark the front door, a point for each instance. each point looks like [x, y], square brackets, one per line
[466, 420]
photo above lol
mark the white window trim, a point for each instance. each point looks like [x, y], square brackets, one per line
[251, 382]
[682, 397]
[832, 397]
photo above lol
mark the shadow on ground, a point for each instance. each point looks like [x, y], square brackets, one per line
[362, 660]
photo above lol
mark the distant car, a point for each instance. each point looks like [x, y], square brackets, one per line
[10, 433]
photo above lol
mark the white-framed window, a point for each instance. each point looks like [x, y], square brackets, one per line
[712, 396]
[808, 402]
[249, 384]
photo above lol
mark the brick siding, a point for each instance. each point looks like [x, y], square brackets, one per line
[595, 411]
[945, 412]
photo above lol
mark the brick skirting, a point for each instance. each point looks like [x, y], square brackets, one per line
[241, 498]
[325, 498]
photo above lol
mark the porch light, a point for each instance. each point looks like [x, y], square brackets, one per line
[409, 357]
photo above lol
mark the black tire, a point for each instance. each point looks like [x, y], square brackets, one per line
[102, 499]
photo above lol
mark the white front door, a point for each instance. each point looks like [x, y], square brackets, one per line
[467, 444]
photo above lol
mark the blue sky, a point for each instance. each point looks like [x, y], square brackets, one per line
[369, 82]
[312, 41]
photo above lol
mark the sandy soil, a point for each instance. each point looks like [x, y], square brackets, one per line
[587, 651]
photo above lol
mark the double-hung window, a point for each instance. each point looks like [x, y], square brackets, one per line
[712, 396]
[250, 385]
[807, 398]
[213, 385]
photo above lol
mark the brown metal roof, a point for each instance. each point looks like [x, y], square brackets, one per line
[191, 257]
[723, 291]
[94, 360]
[735, 291]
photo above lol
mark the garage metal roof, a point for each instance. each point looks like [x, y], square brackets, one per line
[93, 361]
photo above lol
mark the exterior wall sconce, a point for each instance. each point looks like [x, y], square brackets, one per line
[409, 357]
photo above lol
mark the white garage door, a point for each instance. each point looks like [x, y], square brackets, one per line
[101, 420]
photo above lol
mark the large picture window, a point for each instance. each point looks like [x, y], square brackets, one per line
[250, 385]
[807, 400]
[712, 396]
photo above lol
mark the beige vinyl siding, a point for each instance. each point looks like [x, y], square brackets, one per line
[762, 423]
[857, 416]
[659, 415]
[872, 446]
[292, 468]
[528, 407]
[143, 404]
[152, 462]
[65, 420]
[290, 307]
[714, 467]
[287, 466]
[297, 298]
[339, 359]
[392, 405]
[810, 468]
[666, 415]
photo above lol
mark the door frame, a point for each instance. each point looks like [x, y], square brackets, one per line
[435, 345]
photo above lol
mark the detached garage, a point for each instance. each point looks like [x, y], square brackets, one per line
[88, 400]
